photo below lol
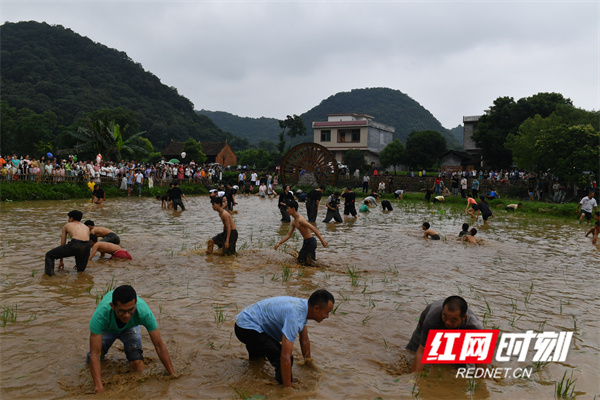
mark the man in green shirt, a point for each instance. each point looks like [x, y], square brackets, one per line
[119, 316]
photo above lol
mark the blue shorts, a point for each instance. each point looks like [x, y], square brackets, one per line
[132, 343]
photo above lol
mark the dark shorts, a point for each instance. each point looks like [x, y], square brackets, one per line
[435, 237]
[475, 207]
[386, 205]
[486, 216]
[588, 215]
[111, 238]
[220, 241]
[350, 209]
[309, 248]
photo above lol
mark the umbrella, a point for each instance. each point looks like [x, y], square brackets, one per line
[174, 161]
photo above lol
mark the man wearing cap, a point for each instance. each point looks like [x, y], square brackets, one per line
[451, 313]
[119, 316]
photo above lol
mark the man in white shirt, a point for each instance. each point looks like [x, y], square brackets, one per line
[588, 206]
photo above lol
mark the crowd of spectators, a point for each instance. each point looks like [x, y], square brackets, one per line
[69, 169]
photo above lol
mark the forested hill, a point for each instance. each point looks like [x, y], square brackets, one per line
[51, 68]
[388, 106]
[253, 129]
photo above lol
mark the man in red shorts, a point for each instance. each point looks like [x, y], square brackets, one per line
[107, 248]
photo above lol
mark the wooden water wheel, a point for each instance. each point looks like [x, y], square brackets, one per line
[310, 164]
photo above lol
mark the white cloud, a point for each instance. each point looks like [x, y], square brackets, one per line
[262, 58]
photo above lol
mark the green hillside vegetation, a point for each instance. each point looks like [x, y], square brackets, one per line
[388, 106]
[254, 130]
[58, 76]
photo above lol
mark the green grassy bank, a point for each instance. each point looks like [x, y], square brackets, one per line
[24, 190]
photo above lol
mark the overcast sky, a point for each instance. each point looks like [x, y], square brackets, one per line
[274, 58]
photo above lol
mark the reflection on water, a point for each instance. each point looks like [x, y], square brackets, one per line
[534, 274]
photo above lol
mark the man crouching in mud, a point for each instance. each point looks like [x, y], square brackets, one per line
[78, 247]
[269, 327]
[452, 313]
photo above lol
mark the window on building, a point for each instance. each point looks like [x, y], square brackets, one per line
[356, 135]
[341, 136]
[326, 136]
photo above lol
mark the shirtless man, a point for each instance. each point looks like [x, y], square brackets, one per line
[595, 229]
[78, 247]
[107, 248]
[309, 246]
[471, 236]
[228, 238]
[106, 234]
[428, 232]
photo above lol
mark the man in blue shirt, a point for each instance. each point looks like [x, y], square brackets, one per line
[119, 316]
[269, 327]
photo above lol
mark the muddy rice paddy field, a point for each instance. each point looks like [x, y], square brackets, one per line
[527, 274]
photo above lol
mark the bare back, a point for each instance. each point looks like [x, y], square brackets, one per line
[100, 231]
[77, 231]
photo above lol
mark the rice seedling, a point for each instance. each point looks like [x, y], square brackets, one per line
[415, 391]
[574, 323]
[372, 303]
[472, 385]
[285, 273]
[301, 271]
[33, 271]
[212, 346]
[343, 295]
[366, 319]
[528, 295]
[109, 286]
[353, 275]
[275, 277]
[539, 365]
[542, 325]
[183, 246]
[562, 388]
[9, 314]
[220, 317]
[244, 396]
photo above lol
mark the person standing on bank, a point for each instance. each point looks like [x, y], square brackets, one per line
[269, 328]
[78, 247]
[119, 316]
[313, 199]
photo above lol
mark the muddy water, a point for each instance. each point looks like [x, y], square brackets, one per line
[534, 274]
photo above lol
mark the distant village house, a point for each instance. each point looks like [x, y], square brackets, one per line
[343, 132]
[216, 152]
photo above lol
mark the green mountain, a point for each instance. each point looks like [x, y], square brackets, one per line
[387, 106]
[48, 68]
[253, 129]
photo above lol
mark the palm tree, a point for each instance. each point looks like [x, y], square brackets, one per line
[102, 136]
